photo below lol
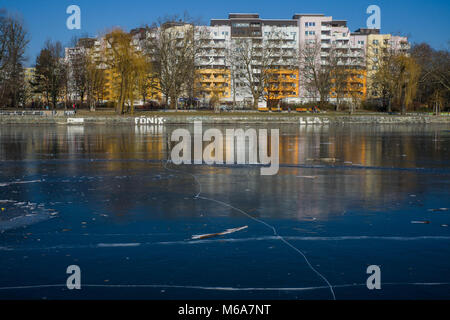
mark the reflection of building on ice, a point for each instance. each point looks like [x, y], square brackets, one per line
[156, 130]
[74, 138]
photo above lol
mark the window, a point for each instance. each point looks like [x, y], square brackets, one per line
[241, 25]
[306, 24]
[375, 42]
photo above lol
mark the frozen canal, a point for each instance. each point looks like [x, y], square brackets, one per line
[346, 198]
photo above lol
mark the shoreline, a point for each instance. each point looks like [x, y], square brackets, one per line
[161, 118]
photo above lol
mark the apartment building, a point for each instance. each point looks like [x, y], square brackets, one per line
[379, 46]
[283, 79]
[332, 39]
[355, 52]
[219, 78]
[88, 48]
[213, 71]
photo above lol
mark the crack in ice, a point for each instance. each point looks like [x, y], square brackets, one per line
[272, 228]
[157, 286]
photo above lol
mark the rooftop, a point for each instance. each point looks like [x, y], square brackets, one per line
[298, 15]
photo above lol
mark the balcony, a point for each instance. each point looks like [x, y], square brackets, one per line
[356, 46]
[342, 38]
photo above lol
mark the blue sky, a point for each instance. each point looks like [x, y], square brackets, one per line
[46, 19]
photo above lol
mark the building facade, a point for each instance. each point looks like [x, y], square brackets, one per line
[218, 77]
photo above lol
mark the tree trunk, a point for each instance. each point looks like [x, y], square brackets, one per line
[403, 109]
[121, 103]
[255, 104]
[54, 102]
[173, 103]
[403, 102]
[437, 108]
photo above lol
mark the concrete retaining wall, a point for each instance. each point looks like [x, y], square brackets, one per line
[227, 119]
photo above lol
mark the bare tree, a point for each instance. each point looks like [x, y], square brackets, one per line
[396, 77]
[13, 43]
[124, 59]
[341, 74]
[79, 73]
[95, 81]
[255, 62]
[434, 82]
[233, 67]
[50, 76]
[174, 44]
[145, 79]
[316, 74]
[355, 95]
[406, 81]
